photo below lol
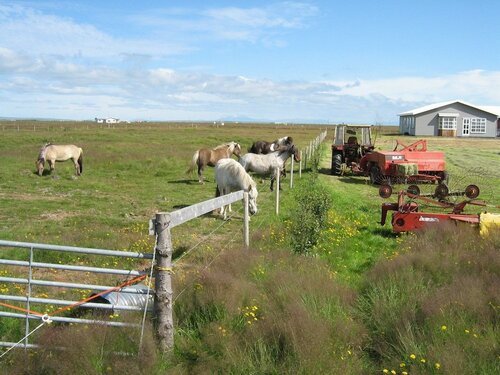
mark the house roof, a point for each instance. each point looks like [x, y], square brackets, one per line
[490, 109]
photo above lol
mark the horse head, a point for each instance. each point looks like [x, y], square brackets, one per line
[236, 149]
[252, 199]
[40, 165]
[296, 153]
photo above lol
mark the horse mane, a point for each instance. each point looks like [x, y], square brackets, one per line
[43, 151]
[224, 145]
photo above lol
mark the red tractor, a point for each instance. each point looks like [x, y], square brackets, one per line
[409, 164]
[350, 144]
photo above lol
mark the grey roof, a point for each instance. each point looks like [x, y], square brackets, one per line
[490, 109]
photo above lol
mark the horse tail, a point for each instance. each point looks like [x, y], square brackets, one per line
[80, 161]
[194, 161]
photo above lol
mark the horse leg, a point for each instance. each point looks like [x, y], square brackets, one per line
[200, 175]
[224, 208]
[217, 194]
[77, 167]
[52, 165]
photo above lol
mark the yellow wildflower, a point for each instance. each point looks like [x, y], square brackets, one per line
[437, 365]
[413, 356]
[423, 360]
[385, 371]
[444, 328]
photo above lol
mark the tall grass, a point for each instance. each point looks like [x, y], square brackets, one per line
[434, 309]
[268, 313]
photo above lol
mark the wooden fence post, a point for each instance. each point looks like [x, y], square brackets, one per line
[277, 187]
[300, 168]
[246, 221]
[291, 175]
[163, 284]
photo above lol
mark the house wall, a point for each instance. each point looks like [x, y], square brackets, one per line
[428, 123]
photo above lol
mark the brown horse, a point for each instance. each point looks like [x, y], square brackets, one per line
[205, 156]
[52, 153]
[264, 147]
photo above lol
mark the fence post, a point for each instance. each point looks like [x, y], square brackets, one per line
[291, 175]
[277, 187]
[300, 168]
[163, 283]
[246, 220]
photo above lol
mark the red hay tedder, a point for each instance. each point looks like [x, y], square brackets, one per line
[407, 216]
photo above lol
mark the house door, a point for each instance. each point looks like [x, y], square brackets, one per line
[466, 127]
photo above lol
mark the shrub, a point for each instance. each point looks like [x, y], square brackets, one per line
[309, 215]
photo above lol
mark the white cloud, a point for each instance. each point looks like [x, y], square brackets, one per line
[40, 34]
[71, 90]
[477, 86]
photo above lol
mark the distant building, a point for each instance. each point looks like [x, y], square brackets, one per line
[451, 119]
[109, 120]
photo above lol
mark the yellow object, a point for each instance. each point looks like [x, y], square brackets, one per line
[488, 222]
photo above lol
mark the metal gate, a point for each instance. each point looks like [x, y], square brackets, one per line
[123, 297]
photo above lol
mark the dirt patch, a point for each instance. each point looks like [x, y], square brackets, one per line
[58, 215]
[28, 197]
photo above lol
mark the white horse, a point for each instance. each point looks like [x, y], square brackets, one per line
[52, 153]
[231, 176]
[269, 164]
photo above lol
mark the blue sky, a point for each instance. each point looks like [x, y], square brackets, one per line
[297, 61]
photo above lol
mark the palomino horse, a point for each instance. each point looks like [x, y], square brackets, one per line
[52, 153]
[269, 164]
[205, 156]
[231, 176]
[263, 147]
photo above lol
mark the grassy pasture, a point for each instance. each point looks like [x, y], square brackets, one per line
[134, 171]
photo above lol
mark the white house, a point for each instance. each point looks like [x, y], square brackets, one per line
[454, 118]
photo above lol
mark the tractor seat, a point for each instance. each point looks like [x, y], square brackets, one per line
[352, 141]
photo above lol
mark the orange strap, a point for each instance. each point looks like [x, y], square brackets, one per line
[21, 309]
[126, 283]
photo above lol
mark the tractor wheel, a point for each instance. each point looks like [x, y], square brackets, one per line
[337, 164]
[375, 175]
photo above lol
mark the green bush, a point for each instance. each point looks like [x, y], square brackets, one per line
[309, 215]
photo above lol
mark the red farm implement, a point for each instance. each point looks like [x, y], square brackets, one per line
[405, 164]
[408, 217]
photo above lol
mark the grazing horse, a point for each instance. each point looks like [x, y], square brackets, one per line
[231, 176]
[269, 164]
[205, 156]
[263, 147]
[52, 153]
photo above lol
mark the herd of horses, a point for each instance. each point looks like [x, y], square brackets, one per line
[265, 159]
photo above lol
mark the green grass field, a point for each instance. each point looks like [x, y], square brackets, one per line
[132, 172]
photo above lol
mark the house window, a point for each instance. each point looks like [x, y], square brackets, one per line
[477, 125]
[448, 123]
